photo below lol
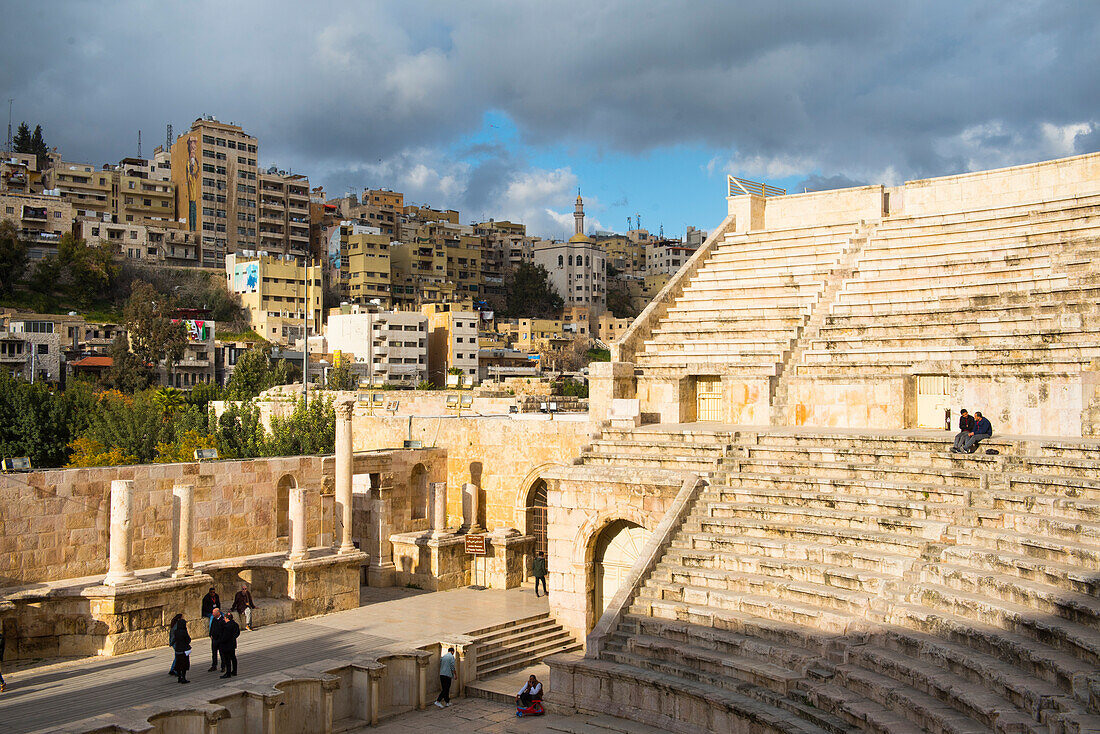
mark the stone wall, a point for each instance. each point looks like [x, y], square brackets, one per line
[54, 524]
[583, 500]
[503, 455]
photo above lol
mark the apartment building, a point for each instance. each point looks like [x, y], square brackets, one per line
[364, 264]
[137, 197]
[87, 190]
[198, 362]
[385, 347]
[452, 342]
[666, 256]
[31, 349]
[19, 174]
[623, 254]
[168, 243]
[41, 220]
[273, 291]
[284, 214]
[214, 169]
[386, 199]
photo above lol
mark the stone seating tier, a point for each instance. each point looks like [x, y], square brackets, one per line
[877, 582]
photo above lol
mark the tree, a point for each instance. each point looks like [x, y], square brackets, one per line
[128, 372]
[22, 139]
[153, 335]
[310, 429]
[133, 424]
[240, 434]
[619, 302]
[38, 147]
[530, 294]
[13, 257]
[86, 271]
[341, 377]
[37, 422]
[252, 374]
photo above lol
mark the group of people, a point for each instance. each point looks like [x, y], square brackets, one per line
[527, 695]
[222, 630]
[972, 431]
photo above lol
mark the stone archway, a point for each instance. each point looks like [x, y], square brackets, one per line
[282, 505]
[616, 548]
[535, 515]
[418, 483]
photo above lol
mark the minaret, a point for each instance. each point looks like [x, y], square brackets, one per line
[578, 215]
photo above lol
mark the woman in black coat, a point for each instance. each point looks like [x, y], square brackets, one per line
[181, 643]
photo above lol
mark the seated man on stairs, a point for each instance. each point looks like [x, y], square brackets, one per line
[529, 693]
[983, 429]
[966, 428]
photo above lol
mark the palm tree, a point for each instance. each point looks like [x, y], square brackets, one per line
[169, 399]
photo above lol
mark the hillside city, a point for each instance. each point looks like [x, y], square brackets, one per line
[400, 295]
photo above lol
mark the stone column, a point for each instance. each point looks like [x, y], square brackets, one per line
[375, 693]
[183, 496]
[343, 473]
[471, 496]
[298, 548]
[422, 682]
[120, 569]
[439, 507]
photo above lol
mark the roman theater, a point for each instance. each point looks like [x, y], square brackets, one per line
[758, 525]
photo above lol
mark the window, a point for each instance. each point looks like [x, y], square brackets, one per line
[561, 261]
[43, 348]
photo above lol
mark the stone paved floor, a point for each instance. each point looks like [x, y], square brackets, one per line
[52, 694]
[467, 715]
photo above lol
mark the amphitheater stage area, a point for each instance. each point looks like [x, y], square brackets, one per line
[91, 694]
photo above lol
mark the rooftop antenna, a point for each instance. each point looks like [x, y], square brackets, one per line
[139, 143]
[10, 100]
[168, 138]
[629, 223]
[638, 219]
[661, 233]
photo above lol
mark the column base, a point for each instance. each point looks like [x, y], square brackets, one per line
[120, 580]
[381, 575]
[297, 556]
[182, 573]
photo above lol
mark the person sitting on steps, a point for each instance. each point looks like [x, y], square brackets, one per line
[529, 693]
[966, 427]
[983, 429]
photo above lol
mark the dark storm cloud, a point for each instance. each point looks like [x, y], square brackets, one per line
[863, 88]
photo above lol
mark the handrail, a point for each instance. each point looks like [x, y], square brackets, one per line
[738, 186]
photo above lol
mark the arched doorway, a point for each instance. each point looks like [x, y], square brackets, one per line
[617, 548]
[419, 485]
[536, 515]
[282, 505]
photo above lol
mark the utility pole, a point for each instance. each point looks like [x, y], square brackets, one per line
[10, 101]
[305, 349]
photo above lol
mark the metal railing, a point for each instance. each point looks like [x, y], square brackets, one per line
[739, 186]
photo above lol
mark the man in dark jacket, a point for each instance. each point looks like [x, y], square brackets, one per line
[983, 429]
[217, 627]
[966, 427]
[228, 645]
[243, 606]
[3, 685]
[538, 568]
[209, 602]
[181, 643]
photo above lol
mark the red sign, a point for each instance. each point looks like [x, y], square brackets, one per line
[475, 545]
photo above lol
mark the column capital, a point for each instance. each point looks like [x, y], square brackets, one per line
[344, 409]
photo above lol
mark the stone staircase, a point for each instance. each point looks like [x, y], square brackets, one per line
[811, 330]
[832, 582]
[520, 644]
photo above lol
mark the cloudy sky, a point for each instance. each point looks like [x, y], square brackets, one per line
[503, 108]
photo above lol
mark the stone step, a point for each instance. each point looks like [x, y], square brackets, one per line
[533, 648]
[931, 530]
[1069, 637]
[814, 557]
[859, 454]
[661, 461]
[675, 571]
[1078, 608]
[837, 485]
[511, 634]
[907, 225]
[708, 451]
[929, 712]
[1067, 577]
[1059, 550]
[916, 508]
[853, 470]
[865, 715]
[716, 534]
[733, 590]
[1062, 486]
[1064, 508]
[917, 654]
[1009, 337]
[1034, 658]
[890, 311]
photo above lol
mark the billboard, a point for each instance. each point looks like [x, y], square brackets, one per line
[246, 277]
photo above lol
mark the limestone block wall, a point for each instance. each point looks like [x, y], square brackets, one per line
[1045, 406]
[503, 455]
[582, 501]
[54, 524]
[1062, 178]
[821, 207]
